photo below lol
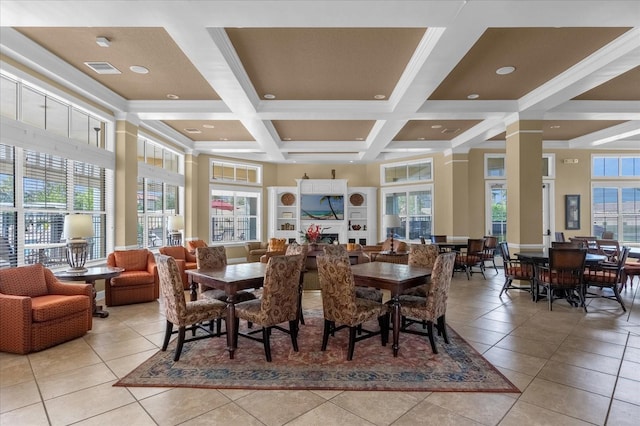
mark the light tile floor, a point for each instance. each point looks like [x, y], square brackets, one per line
[572, 368]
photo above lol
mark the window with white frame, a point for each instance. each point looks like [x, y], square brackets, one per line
[221, 171]
[495, 166]
[157, 201]
[155, 154]
[615, 199]
[414, 205]
[407, 172]
[39, 186]
[234, 214]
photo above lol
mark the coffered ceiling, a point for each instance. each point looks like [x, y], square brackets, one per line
[344, 81]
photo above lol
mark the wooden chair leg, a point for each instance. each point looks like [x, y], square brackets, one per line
[167, 335]
[181, 335]
[293, 331]
[443, 329]
[325, 334]
[618, 298]
[352, 342]
[431, 337]
[267, 343]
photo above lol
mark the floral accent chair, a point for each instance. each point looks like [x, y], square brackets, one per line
[139, 281]
[431, 309]
[299, 249]
[184, 259]
[423, 255]
[341, 307]
[216, 258]
[186, 315]
[38, 311]
[362, 292]
[279, 302]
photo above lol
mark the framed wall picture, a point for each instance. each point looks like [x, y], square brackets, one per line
[572, 211]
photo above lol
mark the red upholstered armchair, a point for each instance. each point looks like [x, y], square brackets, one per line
[184, 260]
[139, 281]
[37, 311]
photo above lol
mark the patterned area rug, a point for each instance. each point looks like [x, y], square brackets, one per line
[206, 364]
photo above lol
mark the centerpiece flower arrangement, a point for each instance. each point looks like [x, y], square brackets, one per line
[312, 234]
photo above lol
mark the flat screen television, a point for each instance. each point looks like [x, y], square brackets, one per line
[321, 207]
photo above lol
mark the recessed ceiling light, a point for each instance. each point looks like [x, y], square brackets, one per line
[473, 96]
[420, 139]
[269, 96]
[505, 70]
[103, 42]
[172, 96]
[208, 126]
[554, 126]
[351, 161]
[192, 130]
[379, 97]
[286, 139]
[139, 69]
[436, 126]
[359, 139]
[224, 139]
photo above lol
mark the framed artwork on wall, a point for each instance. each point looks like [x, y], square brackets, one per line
[572, 211]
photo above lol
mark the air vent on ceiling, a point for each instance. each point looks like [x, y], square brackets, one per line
[192, 130]
[103, 67]
[449, 131]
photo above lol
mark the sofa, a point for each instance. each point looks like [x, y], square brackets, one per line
[38, 311]
[137, 283]
[255, 250]
[184, 260]
[373, 252]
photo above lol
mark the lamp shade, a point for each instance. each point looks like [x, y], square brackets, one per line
[78, 226]
[176, 222]
[391, 221]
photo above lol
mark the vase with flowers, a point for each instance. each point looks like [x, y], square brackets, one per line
[312, 235]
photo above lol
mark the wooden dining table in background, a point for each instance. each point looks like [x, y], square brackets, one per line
[394, 277]
[231, 278]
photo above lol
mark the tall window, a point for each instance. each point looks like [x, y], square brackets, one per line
[615, 201]
[414, 205]
[156, 202]
[235, 214]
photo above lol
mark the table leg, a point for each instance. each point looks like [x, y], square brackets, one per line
[96, 309]
[396, 324]
[193, 287]
[231, 325]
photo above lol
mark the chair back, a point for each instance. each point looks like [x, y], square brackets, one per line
[567, 259]
[423, 255]
[440, 282]
[211, 257]
[194, 244]
[172, 289]
[438, 238]
[338, 289]
[335, 250]
[607, 235]
[279, 301]
[475, 245]
[575, 244]
[560, 236]
[609, 248]
[177, 252]
[490, 242]
[504, 249]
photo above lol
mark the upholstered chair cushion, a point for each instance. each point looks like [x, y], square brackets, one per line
[277, 244]
[29, 282]
[177, 252]
[362, 292]
[131, 260]
[423, 255]
[194, 244]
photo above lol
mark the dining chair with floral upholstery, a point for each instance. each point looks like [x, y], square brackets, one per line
[294, 249]
[179, 312]
[342, 309]
[278, 304]
[432, 308]
[362, 292]
[215, 257]
[423, 255]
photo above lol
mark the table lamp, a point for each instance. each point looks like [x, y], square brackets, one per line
[391, 221]
[77, 227]
[176, 223]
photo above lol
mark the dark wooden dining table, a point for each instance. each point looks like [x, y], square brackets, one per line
[394, 277]
[454, 245]
[542, 257]
[231, 278]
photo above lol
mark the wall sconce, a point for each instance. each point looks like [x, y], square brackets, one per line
[76, 228]
[176, 223]
[391, 221]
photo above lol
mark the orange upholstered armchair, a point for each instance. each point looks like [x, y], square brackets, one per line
[37, 311]
[184, 260]
[139, 281]
[194, 244]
